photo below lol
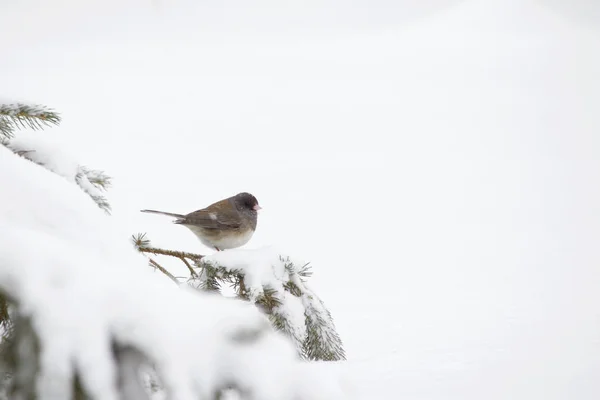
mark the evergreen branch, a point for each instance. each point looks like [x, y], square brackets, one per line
[187, 264]
[140, 241]
[172, 253]
[211, 277]
[270, 303]
[102, 202]
[268, 300]
[92, 182]
[142, 244]
[208, 280]
[99, 179]
[163, 270]
[240, 286]
[319, 341]
[15, 116]
[322, 341]
[292, 288]
[6, 128]
[304, 271]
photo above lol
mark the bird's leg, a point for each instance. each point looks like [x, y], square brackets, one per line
[217, 248]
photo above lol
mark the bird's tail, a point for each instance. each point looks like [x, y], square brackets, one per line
[163, 213]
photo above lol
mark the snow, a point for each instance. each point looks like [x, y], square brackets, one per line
[292, 310]
[261, 268]
[266, 268]
[437, 168]
[302, 313]
[75, 274]
[46, 149]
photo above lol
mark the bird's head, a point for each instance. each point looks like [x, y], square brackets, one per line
[246, 201]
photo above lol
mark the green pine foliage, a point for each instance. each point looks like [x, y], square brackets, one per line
[22, 116]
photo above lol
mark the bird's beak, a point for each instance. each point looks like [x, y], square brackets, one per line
[257, 207]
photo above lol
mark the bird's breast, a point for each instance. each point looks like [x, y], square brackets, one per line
[233, 240]
[223, 239]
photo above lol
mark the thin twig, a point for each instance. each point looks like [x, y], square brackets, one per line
[187, 264]
[242, 291]
[172, 253]
[182, 255]
[164, 271]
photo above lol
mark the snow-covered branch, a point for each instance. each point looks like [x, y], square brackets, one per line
[277, 285]
[44, 152]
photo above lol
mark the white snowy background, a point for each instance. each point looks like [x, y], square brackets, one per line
[438, 164]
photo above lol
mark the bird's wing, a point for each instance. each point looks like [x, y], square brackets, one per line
[220, 215]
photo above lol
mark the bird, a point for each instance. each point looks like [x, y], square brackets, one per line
[226, 224]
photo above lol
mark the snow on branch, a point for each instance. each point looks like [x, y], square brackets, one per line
[277, 285]
[15, 116]
[47, 153]
[94, 182]
[274, 283]
[44, 152]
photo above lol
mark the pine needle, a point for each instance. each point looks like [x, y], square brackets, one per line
[19, 116]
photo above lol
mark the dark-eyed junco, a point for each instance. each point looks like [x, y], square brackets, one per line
[226, 224]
